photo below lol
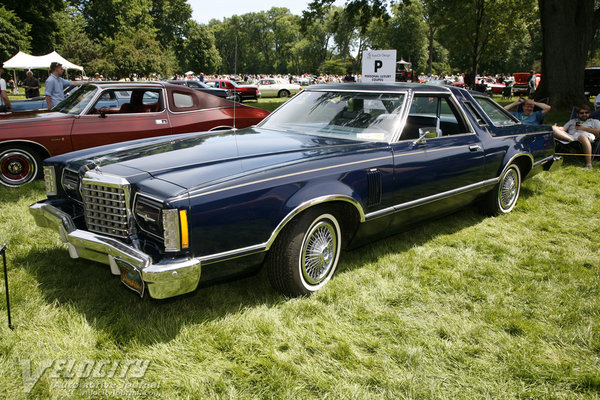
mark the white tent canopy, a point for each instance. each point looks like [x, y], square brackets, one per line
[26, 61]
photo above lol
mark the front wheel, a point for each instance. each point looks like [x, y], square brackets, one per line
[504, 197]
[305, 255]
[18, 165]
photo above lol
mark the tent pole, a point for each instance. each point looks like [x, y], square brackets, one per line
[15, 81]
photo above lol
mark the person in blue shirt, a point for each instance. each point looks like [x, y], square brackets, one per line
[55, 85]
[528, 116]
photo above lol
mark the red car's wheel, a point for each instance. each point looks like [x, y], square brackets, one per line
[18, 166]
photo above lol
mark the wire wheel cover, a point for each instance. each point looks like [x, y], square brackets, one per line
[509, 190]
[319, 252]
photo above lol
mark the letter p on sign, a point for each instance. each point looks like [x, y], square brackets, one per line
[378, 64]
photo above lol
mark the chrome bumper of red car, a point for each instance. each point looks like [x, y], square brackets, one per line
[167, 278]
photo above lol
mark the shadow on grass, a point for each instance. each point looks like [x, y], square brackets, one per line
[16, 195]
[90, 289]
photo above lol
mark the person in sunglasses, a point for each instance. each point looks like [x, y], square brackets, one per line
[583, 129]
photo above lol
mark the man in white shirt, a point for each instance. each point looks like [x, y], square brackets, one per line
[55, 85]
[4, 101]
[584, 129]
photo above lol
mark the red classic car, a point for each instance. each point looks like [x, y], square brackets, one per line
[103, 113]
[521, 82]
[240, 93]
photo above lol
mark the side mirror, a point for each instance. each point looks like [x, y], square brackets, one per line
[428, 132]
[103, 112]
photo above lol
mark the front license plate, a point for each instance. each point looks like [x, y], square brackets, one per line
[131, 277]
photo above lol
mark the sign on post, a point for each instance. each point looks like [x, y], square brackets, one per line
[379, 66]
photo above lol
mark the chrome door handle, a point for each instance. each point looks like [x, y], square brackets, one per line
[475, 147]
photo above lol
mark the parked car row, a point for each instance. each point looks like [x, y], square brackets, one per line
[333, 168]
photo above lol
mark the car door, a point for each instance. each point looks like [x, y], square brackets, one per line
[267, 88]
[122, 114]
[447, 164]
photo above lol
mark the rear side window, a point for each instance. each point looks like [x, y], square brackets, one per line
[498, 115]
[182, 100]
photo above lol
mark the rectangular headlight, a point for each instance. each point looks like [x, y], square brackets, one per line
[170, 219]
[50, 180]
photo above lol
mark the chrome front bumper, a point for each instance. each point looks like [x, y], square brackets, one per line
[167, 278]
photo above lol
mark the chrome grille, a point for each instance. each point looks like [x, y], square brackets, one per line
[105, 209]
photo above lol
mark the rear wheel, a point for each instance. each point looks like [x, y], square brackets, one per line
[305, 255]
[504, 197]
[284, 93]
[18, 165]
[237, 98]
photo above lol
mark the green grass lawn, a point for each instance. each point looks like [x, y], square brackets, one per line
[465, 307]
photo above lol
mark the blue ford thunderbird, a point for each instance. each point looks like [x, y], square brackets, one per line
[332, 168]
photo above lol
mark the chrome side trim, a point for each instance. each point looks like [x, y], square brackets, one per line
[543, 161]
[520, 134]
[192, 195]
[231, 254]
[235, 253]
[430, 199]
[514, 158]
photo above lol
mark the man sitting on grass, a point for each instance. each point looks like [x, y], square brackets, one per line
[583, 129]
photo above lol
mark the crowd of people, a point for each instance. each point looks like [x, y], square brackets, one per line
[581, 129]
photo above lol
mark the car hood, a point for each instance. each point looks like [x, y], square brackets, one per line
[200, 159]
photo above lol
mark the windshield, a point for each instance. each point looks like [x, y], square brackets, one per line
[349, 115]
[77, 101]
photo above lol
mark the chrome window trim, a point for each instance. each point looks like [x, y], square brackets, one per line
[485, 123]
[102, 90]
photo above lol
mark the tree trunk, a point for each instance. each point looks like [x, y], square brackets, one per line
[432, 30]
[567, 32]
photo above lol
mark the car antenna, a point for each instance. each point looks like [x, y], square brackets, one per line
[235, 74]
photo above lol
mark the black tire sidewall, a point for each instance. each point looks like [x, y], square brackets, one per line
[283, 262]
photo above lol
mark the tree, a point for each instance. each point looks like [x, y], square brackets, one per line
[567, 34]
[108, 18]
[72, 42]
[135, 51]
[14, 34]
[200, 52]
[38, 15]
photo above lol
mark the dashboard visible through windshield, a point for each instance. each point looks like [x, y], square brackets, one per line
[360, 116]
